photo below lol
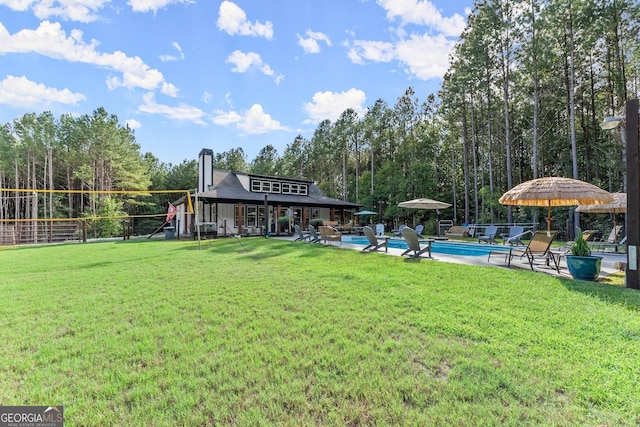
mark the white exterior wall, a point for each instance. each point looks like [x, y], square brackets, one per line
[227, 212]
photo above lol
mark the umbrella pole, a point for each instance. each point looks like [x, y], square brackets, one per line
[549, 218]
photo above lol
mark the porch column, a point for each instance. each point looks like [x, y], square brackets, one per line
[304, 217]
[240, 218]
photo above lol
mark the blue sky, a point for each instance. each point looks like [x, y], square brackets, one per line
[187, 75]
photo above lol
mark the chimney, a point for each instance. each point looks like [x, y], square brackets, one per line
[205, 169]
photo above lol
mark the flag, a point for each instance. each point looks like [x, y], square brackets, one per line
[171, 212]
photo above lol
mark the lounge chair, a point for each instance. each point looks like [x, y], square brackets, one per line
[457, 231]
[514, 236]
[374, 243]
[379, 229]
[313, 234]
[612, 240]
[301, 234]
[539, 247]
[489, 234]
[330, 234]
[419, 229]
[398, 232]
[413, 244]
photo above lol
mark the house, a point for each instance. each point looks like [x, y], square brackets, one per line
[228, 203]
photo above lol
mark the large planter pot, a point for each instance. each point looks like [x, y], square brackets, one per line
[584, 267]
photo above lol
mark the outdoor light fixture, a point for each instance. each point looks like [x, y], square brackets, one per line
[611, 122]
[629, 134]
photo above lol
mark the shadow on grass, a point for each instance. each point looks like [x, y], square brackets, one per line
[607, 292]
[258, 248]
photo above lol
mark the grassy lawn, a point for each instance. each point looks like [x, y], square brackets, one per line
[268, 332]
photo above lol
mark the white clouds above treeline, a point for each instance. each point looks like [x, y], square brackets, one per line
[418, 43]
[50, 40]
[20, 91]
[330, 105]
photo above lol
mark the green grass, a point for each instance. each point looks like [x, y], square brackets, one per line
[268, 332]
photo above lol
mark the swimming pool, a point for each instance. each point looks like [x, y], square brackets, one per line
[438, 246]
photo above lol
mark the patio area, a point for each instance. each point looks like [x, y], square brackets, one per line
[610, 260]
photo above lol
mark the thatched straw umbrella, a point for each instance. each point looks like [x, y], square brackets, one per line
[619, 205]
[555, 191]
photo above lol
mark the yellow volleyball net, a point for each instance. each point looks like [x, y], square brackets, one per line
[34, 224]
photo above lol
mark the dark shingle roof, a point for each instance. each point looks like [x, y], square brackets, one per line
[228, 188]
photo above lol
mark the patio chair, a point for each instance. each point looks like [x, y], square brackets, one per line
[489, 235]
[301, 234]
[613, 236]
[330, 234]
[612, 240]
[398, 232]
[514, 236]
[413, 244]
[419, 229]
[379, 229]
[374, 243]
[313, 234]
[539, 247]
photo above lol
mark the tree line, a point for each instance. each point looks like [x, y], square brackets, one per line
[527, 86]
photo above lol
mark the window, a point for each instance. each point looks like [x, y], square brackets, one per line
[252, 218]
[266, 186]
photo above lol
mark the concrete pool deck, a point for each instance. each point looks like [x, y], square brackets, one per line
[609, 259]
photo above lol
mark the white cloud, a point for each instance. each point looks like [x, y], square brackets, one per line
[153, 5]
[310, 44]
[224, 118]
[243, 62]
[181, 112]
[23, 93]
[252, 121]
[330, 105]
[423, 13]
[169, 58]
[169, 90]
[424, 56]
[233, 20]
[375, 51]
[133, 124]
[50, 40]
[70, 10]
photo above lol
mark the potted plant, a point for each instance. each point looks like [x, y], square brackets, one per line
[316, 222]
[581, 264]
[283, 222]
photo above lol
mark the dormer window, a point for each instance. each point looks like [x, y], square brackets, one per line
[279, 187]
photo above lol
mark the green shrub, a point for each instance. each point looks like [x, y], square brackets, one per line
[580, 247]
[316, 222]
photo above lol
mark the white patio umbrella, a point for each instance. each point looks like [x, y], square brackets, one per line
[423, 203]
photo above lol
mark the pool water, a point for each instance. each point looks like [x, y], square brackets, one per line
[438, 246]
